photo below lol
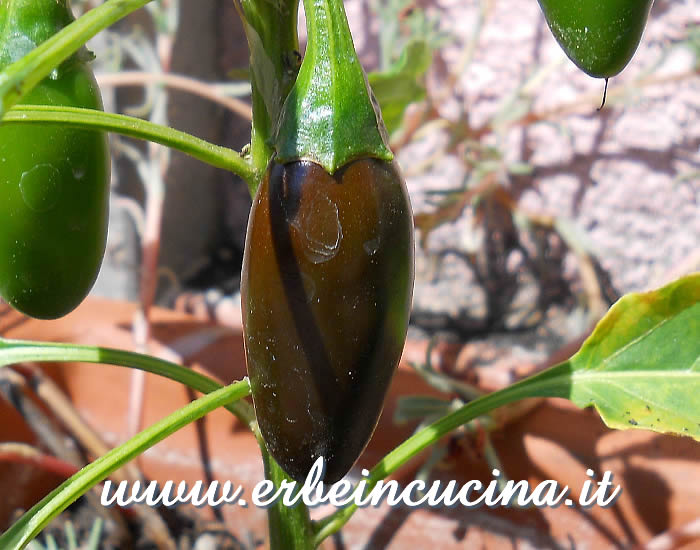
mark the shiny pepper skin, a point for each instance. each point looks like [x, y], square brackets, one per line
[326, 289]
[599, 36]
[54, 180]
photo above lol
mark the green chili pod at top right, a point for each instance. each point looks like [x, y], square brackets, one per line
[599, 36]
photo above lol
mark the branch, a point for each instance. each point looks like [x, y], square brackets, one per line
[179, 82]
[220, 157]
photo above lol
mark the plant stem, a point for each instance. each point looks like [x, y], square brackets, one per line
[18, 351]
[215, 155]
[290, 528]
[20, 77]
[271, 30]
[215, 92]
[32, 522]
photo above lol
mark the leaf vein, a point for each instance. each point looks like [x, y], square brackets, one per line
[625, 347]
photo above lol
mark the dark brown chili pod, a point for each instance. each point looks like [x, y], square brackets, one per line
[326, 289]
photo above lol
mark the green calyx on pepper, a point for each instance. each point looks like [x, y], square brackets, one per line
[599, 36]
[54, 180]
[329, 116]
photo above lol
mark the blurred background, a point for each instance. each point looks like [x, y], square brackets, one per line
[534, 211]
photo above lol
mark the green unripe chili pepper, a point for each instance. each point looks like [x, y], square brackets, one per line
[54, 180]
[327, 275]
[599, 36]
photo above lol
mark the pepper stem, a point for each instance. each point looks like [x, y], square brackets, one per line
[329, 116]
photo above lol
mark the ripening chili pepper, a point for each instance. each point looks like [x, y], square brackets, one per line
[54, 180]
[326, 292]
[327, 275]
[599, 36]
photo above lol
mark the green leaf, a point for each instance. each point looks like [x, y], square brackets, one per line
[641, 366]
[397, 88]
[395, 93]
[415, 60]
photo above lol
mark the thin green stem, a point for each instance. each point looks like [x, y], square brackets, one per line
[215, 155]
[36, 519]
[19, 351]
[271, 31]
[20, 77]
[553, 383]
[290, 527]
